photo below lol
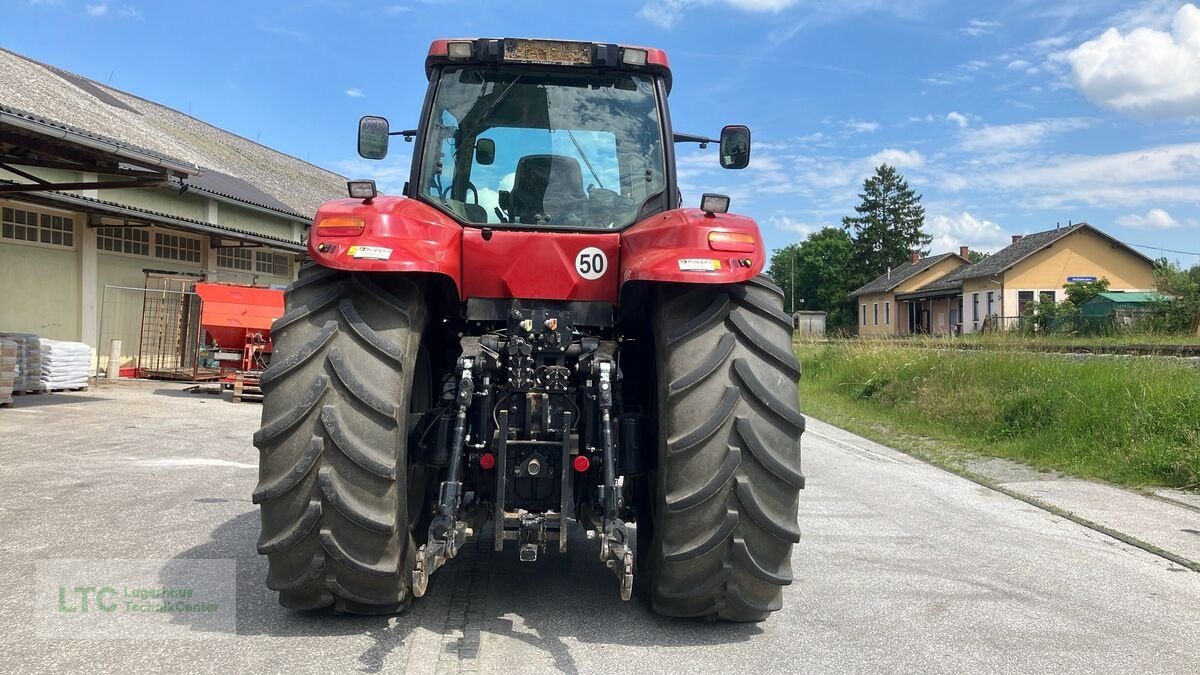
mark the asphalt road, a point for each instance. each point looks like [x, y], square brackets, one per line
[903, 567]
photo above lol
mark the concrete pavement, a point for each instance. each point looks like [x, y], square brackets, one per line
[903, 567]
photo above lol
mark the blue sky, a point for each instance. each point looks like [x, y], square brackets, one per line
[1008, 117]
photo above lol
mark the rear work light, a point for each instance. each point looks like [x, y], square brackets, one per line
[362, 189]
[341, 226]
[711, 203]
[731, 241]
[458, 50]
[634, 57]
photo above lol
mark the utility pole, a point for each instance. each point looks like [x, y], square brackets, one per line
[792, 275]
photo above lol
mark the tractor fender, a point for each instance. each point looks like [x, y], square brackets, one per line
[399, 235]
[676, 246]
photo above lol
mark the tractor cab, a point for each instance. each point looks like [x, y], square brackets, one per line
[545, 134]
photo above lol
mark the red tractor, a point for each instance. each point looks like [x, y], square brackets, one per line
[535, 333]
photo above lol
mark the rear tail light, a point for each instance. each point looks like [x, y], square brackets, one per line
[731, 241]
[582, 463]
[341, 226]
[487, 461]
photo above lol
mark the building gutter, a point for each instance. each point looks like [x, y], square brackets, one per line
[133, 156]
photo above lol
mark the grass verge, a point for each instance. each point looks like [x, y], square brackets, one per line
[1132, 422]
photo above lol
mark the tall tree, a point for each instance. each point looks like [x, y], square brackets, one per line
[813, 275]
[889, 224]
[977, 256]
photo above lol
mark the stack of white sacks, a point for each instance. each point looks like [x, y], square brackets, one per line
[8, 370]
[65, 365]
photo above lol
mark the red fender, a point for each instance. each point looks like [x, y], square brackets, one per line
[399, 235]
[690, 246]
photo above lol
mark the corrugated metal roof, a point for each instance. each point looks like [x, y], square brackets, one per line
[53, 97]
[899, 275]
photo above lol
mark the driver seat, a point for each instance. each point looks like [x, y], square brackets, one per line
[546, 184]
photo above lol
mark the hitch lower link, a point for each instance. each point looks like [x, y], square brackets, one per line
[446, 533]
[615, 552]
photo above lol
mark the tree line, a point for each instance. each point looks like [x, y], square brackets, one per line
[820, 272]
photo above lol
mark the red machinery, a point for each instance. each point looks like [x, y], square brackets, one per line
[238, 321]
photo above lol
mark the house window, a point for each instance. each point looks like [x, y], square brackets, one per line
[41, 228]
[991, 299]
[875, 309]
[131, 240]
[1024, 300]
[235, 258]
[1045, 296]
[176, 247]
[864, 314]
[974, 306]
[267, 262]
[887, 313]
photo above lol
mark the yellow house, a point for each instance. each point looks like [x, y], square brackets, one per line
[1037, 266]
[879, 314]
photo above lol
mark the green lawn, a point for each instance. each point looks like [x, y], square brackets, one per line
[1131, 421]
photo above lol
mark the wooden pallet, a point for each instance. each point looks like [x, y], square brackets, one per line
[246, 386]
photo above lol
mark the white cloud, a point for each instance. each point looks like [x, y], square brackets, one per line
[1018, 64]
[355, 92]
[789, 224]
[394, 10]
[958, 118]
[388, 174]
[98, 9]
[1145, 73]
[1025, 134]
[1155, 219]
[901, 159]
[977, 27]
[130, 12]
[862, 127]
[949, 232]
[667, 13]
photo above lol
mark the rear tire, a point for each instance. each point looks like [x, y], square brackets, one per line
[724, 500]
[333, 465]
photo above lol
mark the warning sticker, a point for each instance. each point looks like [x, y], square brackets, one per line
[699, 265]
[369, 252]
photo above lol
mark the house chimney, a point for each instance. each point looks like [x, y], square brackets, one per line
[1016, 238]
[915, 256]
[964, 251]
[889, 273]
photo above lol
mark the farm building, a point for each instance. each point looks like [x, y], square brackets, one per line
[106, 196]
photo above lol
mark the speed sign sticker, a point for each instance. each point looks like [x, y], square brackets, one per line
[591, 263]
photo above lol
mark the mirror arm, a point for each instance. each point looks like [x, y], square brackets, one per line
[692, 138]
[408, 134]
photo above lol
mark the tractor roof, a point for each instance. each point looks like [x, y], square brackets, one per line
[559, 53]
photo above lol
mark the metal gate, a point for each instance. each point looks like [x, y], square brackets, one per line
[158, 326]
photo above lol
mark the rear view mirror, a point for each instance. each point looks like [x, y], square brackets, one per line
[485, 151]
[735, 147]
[373, 137]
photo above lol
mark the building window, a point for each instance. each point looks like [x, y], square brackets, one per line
[267, 262]
[991, 300]
[974, 306]
[235, 258]
[1024, 300]
[864, 314]
[176, 247]
[41, 228]
[131, 240]
[1046, 296]
[875, 309]
[887, 313]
